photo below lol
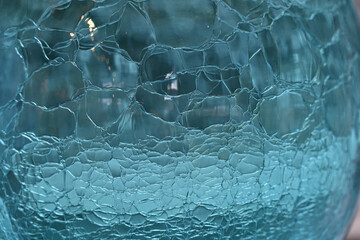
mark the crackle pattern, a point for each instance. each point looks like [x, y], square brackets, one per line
[168, 119]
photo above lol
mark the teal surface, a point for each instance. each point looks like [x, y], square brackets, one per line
[165, 119]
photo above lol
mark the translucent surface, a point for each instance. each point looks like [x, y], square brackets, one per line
[167, 119]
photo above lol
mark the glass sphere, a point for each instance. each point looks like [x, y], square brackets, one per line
[165, 119]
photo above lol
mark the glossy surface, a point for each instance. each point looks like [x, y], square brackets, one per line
[166, 119]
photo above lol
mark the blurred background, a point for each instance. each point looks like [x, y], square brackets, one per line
[354, 233]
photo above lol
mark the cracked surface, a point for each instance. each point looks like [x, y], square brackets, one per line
[164, 119]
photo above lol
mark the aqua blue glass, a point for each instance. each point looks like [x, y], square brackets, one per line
[178, 119]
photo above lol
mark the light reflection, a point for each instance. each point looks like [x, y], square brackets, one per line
[107, 102]
[173, 85]
[168, 75]
[92, 27]
[107, 84]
